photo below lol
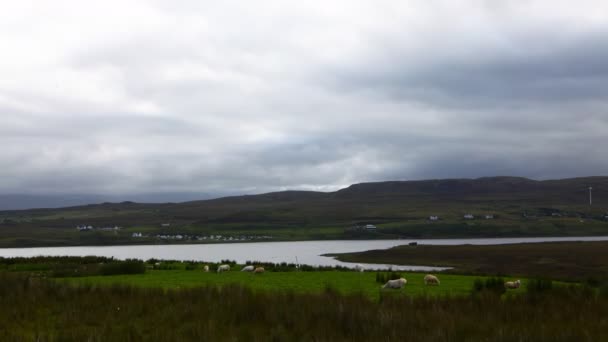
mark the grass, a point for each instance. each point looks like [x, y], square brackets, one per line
[573, 261]
[42, 310]
[177, 301]
[301, 282]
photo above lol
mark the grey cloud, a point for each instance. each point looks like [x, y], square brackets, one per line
[575, 70]
[212, 99]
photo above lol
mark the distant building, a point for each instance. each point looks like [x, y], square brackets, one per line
[165, 224]
[433, 218]
[489, 217]
[136, 235]
[469, 216]
[370, 227]
[109, 228]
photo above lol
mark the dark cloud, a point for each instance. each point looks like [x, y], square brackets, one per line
[575, 70]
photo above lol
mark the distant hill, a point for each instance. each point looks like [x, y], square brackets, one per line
[26, 201]
[518, 207]
[571, 191]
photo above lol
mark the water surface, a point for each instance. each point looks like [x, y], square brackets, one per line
[303, 252]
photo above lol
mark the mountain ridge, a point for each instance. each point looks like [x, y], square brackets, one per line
[449, 187]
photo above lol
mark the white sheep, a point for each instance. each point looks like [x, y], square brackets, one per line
[223, 268]
[430, 279]
[513, 284]
[395, 284]
[206, 268]
[259, 270]
[247, 269]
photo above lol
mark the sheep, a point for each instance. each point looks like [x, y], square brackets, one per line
[223, 268]
[259, 270]
[513, 284]
[206, 268]
[359, 268]
[395, 284]
[247, 269]
[430, 279]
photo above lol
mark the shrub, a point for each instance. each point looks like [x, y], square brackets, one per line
[539, 285]
[494, 285]
[129, 266]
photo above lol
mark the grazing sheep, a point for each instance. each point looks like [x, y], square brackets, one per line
[259, 270]
[395, 284]
[206, 268]
[430, 279]
[513, 284]
[247, 269]
[359, 268]
[223, 268]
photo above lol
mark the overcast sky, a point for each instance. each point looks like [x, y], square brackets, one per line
[251, 96]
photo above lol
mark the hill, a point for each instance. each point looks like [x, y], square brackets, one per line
[518, 207]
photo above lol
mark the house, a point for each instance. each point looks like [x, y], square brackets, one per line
[433, 218]
[370, 227]
[469, 216]
[136, 235]
[165, 224]
[489, 217]
[109, 228]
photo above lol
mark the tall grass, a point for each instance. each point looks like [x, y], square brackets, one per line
[44, 310]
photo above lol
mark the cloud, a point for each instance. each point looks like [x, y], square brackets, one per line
[139, 96]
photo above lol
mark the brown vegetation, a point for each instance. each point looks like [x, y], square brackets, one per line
[556, 260]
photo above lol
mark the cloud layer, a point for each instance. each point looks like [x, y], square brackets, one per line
[233, 96]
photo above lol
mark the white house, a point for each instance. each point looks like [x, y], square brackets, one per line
[469, 216]
[433, 218]
[165, 224]
[489, 217]
[370, 227]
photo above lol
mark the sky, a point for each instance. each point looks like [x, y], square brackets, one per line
[130, 97]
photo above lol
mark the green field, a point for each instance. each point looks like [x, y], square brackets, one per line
[42, 309]
[132, 300]
[309, 282]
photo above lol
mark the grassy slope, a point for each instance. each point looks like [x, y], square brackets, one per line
[558, 260]
[399, 209]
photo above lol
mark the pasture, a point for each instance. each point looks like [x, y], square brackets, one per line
[38, 309]
[345, 282]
